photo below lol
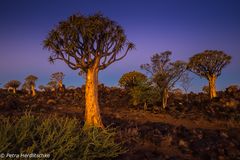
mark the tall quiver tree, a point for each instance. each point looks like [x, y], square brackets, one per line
[58, 77]
[88, 44]
[209, 64]
[164, 73]
[30, 83]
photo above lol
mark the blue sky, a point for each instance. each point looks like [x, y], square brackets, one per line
[185, 27]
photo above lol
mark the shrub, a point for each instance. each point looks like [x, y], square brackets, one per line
[61, 137]
[29, 134]
[232, 89]
[145, 94]
[97, 143]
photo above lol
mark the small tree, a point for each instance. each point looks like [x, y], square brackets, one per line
[209, 64]
[132, 79]
[26, 87]
[41, 87]
[58, 77]
[205, 89]
[139, 88]
[164, 73]
[30, 84]
[144, 93]
[52, 85]
[185, 83]
[232, 88]
[12, 85]
[88, 44]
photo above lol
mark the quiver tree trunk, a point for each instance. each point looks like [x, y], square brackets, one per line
[14, 90]
[33, 90]
[92, 111]
[60, 86]
[164, 97]
[212, 86]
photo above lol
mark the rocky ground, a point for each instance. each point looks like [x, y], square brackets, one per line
[193, 129]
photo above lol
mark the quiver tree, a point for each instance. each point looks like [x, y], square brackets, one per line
[12, 85]
[132, 79]
[58, 77]
[164, 73]
[209, 65]
[88, 44]
[30, 84]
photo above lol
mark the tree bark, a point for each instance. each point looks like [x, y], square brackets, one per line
[14, 90]
[164, 98]
[33, 90]
[60, 86]
[92, 111]
[212, 86]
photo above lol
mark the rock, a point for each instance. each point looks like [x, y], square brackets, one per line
[221, 157]
[132, 132]
[51, 102]
[183, 143]
[224, 134]
[232, 103]
[34, 106]
[118, 116]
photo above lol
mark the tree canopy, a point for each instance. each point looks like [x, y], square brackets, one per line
[132, 79]
[12, 84]
[57, 76]
[164, 72]
[31, 79]
[82, 41]
[208, 63]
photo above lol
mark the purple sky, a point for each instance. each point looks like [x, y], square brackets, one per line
[185, 27]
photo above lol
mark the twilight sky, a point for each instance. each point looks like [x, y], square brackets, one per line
[185, 27]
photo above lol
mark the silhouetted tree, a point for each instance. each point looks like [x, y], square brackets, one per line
[58, 77]
[185, 83]
[30, 83]
[88, 44]
[12, 85]
[132, 79]
[164, 73]
[209, 65]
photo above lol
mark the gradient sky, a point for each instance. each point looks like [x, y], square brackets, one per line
[185, 27]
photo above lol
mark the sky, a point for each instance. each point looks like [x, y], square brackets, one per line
[185, 27]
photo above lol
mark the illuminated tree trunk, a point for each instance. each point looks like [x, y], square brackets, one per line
[92, 111]
[14, 90]
[60, 86]
[33, 90]
[212, 86]
[164, 98]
